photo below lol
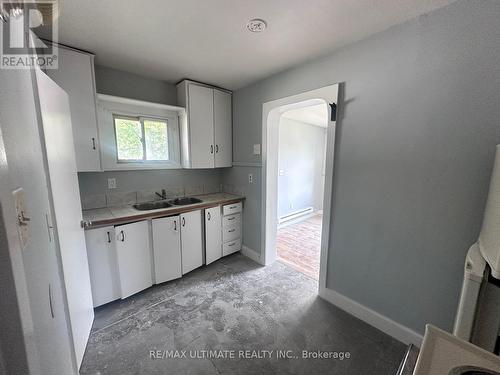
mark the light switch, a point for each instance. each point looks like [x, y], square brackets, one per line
[250, 178]
[111, 183]
[23, 220]
[256, 149]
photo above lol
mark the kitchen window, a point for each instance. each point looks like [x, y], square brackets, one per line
[140, 140]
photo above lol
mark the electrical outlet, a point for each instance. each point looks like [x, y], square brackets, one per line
[250, 178]
[111, 183]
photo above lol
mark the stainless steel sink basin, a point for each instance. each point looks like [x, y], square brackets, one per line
[184, 201]
[151, 205]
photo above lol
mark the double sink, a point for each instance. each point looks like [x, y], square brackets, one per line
[166, 204]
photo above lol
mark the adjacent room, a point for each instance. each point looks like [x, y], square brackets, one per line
[301, 174]
[250, 187]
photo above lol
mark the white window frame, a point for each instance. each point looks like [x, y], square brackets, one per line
[109, 107]
[141, 120]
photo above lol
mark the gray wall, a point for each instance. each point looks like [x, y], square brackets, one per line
[301, 155]
[416, 141]
[116, 82]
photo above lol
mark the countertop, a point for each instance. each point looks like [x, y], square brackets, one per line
[100, 217]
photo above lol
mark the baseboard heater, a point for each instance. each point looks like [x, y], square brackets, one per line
[295, 215]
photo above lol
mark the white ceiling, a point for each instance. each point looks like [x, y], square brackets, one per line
[313, 115]
[207, 40]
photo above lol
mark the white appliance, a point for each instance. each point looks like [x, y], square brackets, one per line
[478, 315]
[445, 354]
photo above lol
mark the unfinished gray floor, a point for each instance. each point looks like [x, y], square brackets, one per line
[235, 304]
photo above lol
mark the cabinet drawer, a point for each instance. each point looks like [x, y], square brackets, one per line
[231, 220]
[231, 247]
[230, 209]
[231, 233]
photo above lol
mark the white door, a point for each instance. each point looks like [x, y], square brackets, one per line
[223, 129]
[76, 76]
[213, 235]
[201, 126]
[103, 266]
[191, 241]
[55, 112]
[134, 257]
[167, 248]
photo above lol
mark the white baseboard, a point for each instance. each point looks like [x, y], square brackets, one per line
[373, 318]
[252, 254]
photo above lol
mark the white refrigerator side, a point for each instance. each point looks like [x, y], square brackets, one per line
[65, 194]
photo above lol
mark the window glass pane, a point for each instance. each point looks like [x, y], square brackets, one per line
[156, 134]
[128, 139]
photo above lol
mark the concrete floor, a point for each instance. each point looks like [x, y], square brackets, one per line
[235, 304]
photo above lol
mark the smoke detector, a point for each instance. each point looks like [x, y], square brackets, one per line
[256, 25]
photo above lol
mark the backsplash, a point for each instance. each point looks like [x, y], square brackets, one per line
[140, 186]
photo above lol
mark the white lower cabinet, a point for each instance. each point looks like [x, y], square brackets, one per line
[231, 228]
[101, 253]
[191, 241]
[134, 257]
[167, 249]
[213, 235]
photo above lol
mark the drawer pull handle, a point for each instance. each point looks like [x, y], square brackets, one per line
[183, 221]
[175, 225]
[109, 237]
[232, 244]
[231, 218]
[209, 216]
[232, 207]
[231, 230]
[93, 144]
[123, 236]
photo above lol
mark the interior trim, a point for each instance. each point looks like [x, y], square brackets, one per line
[373, 318]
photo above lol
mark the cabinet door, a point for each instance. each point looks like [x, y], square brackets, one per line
[201, 126]
[76, 76]
[191, 241]
[101, 253]
[134, 257]
[167, 249]
[213, 235]
[223, 129]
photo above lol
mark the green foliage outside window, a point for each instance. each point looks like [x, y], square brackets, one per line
[130, 144]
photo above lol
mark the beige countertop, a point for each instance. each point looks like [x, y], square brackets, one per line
[100, 217]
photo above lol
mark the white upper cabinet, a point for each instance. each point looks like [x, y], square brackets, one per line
[223, 129]
[75, 75]
[206, 131]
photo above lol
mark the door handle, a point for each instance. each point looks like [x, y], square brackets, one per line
[109, 237]
[123, 236]
[183, 221]
[93, 143]
[50, 302]
[209, 216]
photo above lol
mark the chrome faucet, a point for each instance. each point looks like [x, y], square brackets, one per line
[163, 194]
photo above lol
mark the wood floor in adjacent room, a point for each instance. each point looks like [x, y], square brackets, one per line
[298, 245]
[235, 304]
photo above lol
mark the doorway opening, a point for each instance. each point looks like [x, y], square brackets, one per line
[301, 179]
[272, 114]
